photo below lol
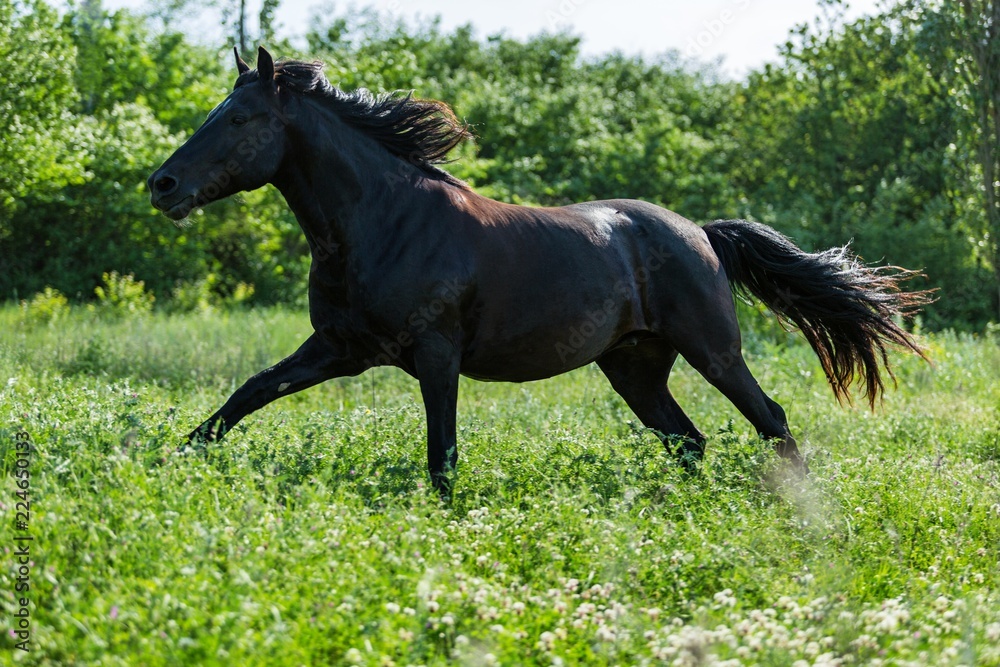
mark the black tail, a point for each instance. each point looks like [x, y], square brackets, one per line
[844, 308]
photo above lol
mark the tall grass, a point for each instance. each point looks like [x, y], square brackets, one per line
[309, 535]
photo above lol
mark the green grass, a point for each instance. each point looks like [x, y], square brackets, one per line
[309, 535]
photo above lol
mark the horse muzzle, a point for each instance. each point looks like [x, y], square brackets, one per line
[166, 195]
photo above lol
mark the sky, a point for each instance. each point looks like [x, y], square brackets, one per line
[744, 33]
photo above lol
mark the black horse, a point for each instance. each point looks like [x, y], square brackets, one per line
[413, 269]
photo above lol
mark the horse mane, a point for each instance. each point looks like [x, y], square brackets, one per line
[421, 132]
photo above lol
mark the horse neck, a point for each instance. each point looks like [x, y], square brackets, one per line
[339, 183]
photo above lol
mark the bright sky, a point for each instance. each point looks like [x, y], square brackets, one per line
[745, 33]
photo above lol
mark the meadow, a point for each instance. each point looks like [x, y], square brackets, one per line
[310, 537]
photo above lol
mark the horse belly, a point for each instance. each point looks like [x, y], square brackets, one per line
[547, 338]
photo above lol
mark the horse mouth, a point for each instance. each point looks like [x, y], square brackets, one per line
[181, 209]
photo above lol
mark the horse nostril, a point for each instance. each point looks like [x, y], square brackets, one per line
[164, 185]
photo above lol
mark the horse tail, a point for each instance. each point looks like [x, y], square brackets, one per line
[845, 308]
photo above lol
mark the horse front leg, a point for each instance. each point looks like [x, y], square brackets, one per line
[437, 364]
[314, 362]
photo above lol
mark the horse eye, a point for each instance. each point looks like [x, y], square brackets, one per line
[239, 120]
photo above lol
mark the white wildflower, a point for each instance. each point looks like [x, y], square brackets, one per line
[546, 641]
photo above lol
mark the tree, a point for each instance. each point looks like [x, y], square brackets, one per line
[120, 59]
[236, 18]
[884, 130]
[36, 98]
[856, 135]
[977, 32]
[959, 43]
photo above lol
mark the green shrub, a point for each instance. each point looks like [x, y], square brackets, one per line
[45, 307]
[204, 295]
[193, 295]
[123, 295]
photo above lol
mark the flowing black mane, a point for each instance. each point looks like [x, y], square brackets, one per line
[421, 132]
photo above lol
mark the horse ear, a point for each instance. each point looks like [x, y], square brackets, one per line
[265, 65]
[241, 66]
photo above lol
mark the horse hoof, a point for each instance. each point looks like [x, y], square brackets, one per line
[443, 485]
[799, 465]
[689, 455]
[197, 442]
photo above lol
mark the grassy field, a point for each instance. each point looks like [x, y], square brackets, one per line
[309, 536]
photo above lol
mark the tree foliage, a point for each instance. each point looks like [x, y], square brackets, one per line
[856, 135]
[36, 89]
[963, 44]
[883, 130]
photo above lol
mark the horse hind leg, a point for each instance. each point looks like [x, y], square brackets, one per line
[639, 375]
[717, 355]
